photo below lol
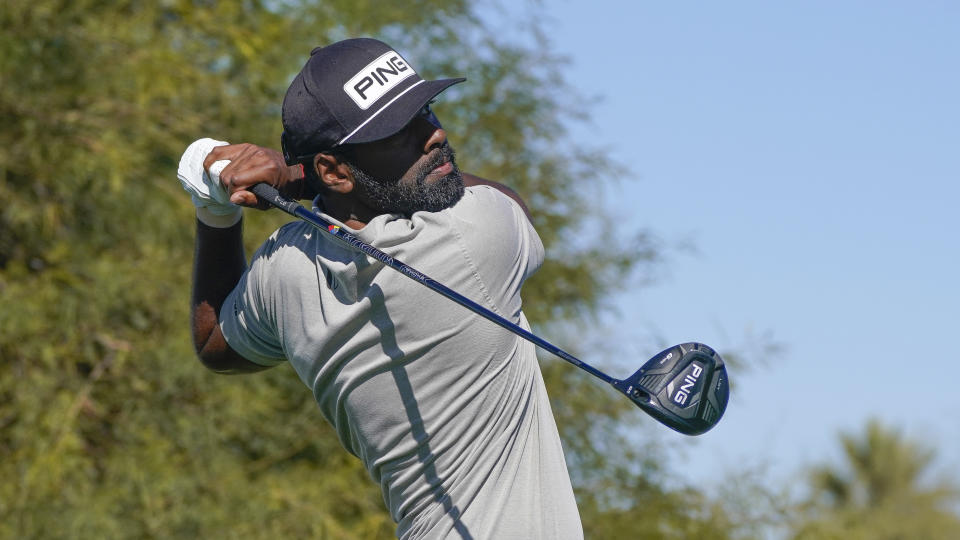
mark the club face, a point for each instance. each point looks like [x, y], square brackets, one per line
[685, 387]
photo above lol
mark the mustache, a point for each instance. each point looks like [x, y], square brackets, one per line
[438, 157]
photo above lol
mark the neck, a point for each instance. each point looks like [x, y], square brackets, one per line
[347, 210]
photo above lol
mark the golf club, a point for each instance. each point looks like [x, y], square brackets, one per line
[684, 387]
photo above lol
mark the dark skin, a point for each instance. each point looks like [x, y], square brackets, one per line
[219, 260]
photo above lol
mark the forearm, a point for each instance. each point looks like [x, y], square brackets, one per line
[219, 263]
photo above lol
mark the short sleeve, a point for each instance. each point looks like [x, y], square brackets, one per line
[499, 239]
[246, 319]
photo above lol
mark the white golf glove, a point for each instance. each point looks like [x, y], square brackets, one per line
[208, 194]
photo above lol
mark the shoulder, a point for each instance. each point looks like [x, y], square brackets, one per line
[471, 180]
[494, 223]
[486, 202]
[481, 207]
[286, 249]
[290, 234]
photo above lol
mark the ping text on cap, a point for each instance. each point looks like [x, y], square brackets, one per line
[377, 78]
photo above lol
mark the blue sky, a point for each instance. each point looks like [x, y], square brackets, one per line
[811, 153]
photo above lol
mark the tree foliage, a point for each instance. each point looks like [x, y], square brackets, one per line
[109, 428]
[879, 492]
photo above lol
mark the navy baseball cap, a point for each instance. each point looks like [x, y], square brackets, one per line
[352, 91]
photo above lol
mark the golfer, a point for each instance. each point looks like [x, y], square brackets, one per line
[447, 411]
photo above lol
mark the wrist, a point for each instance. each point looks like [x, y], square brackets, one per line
[296, 178]
[296, 172]
[219, 220]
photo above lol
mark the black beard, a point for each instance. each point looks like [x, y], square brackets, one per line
[409, 197]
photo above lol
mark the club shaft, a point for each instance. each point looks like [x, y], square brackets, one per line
[268, 193]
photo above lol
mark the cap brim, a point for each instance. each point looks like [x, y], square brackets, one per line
[397, 113]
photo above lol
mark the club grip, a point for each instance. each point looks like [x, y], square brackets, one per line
[266, 192]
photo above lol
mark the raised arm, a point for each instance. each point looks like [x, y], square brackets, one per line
[219, 259]
[218, 264]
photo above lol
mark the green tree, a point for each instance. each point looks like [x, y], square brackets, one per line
[109, 428]
[879, 492]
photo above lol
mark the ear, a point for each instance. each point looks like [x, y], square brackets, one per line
[334, 174]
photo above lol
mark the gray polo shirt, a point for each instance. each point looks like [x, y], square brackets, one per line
[447, 411]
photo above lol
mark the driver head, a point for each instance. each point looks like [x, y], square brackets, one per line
[684, 387]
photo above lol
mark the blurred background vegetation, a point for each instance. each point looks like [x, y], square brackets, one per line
[109, 428]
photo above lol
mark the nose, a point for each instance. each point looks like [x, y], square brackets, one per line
[435, 140]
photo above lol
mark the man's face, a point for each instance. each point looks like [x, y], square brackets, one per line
[409, 171]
